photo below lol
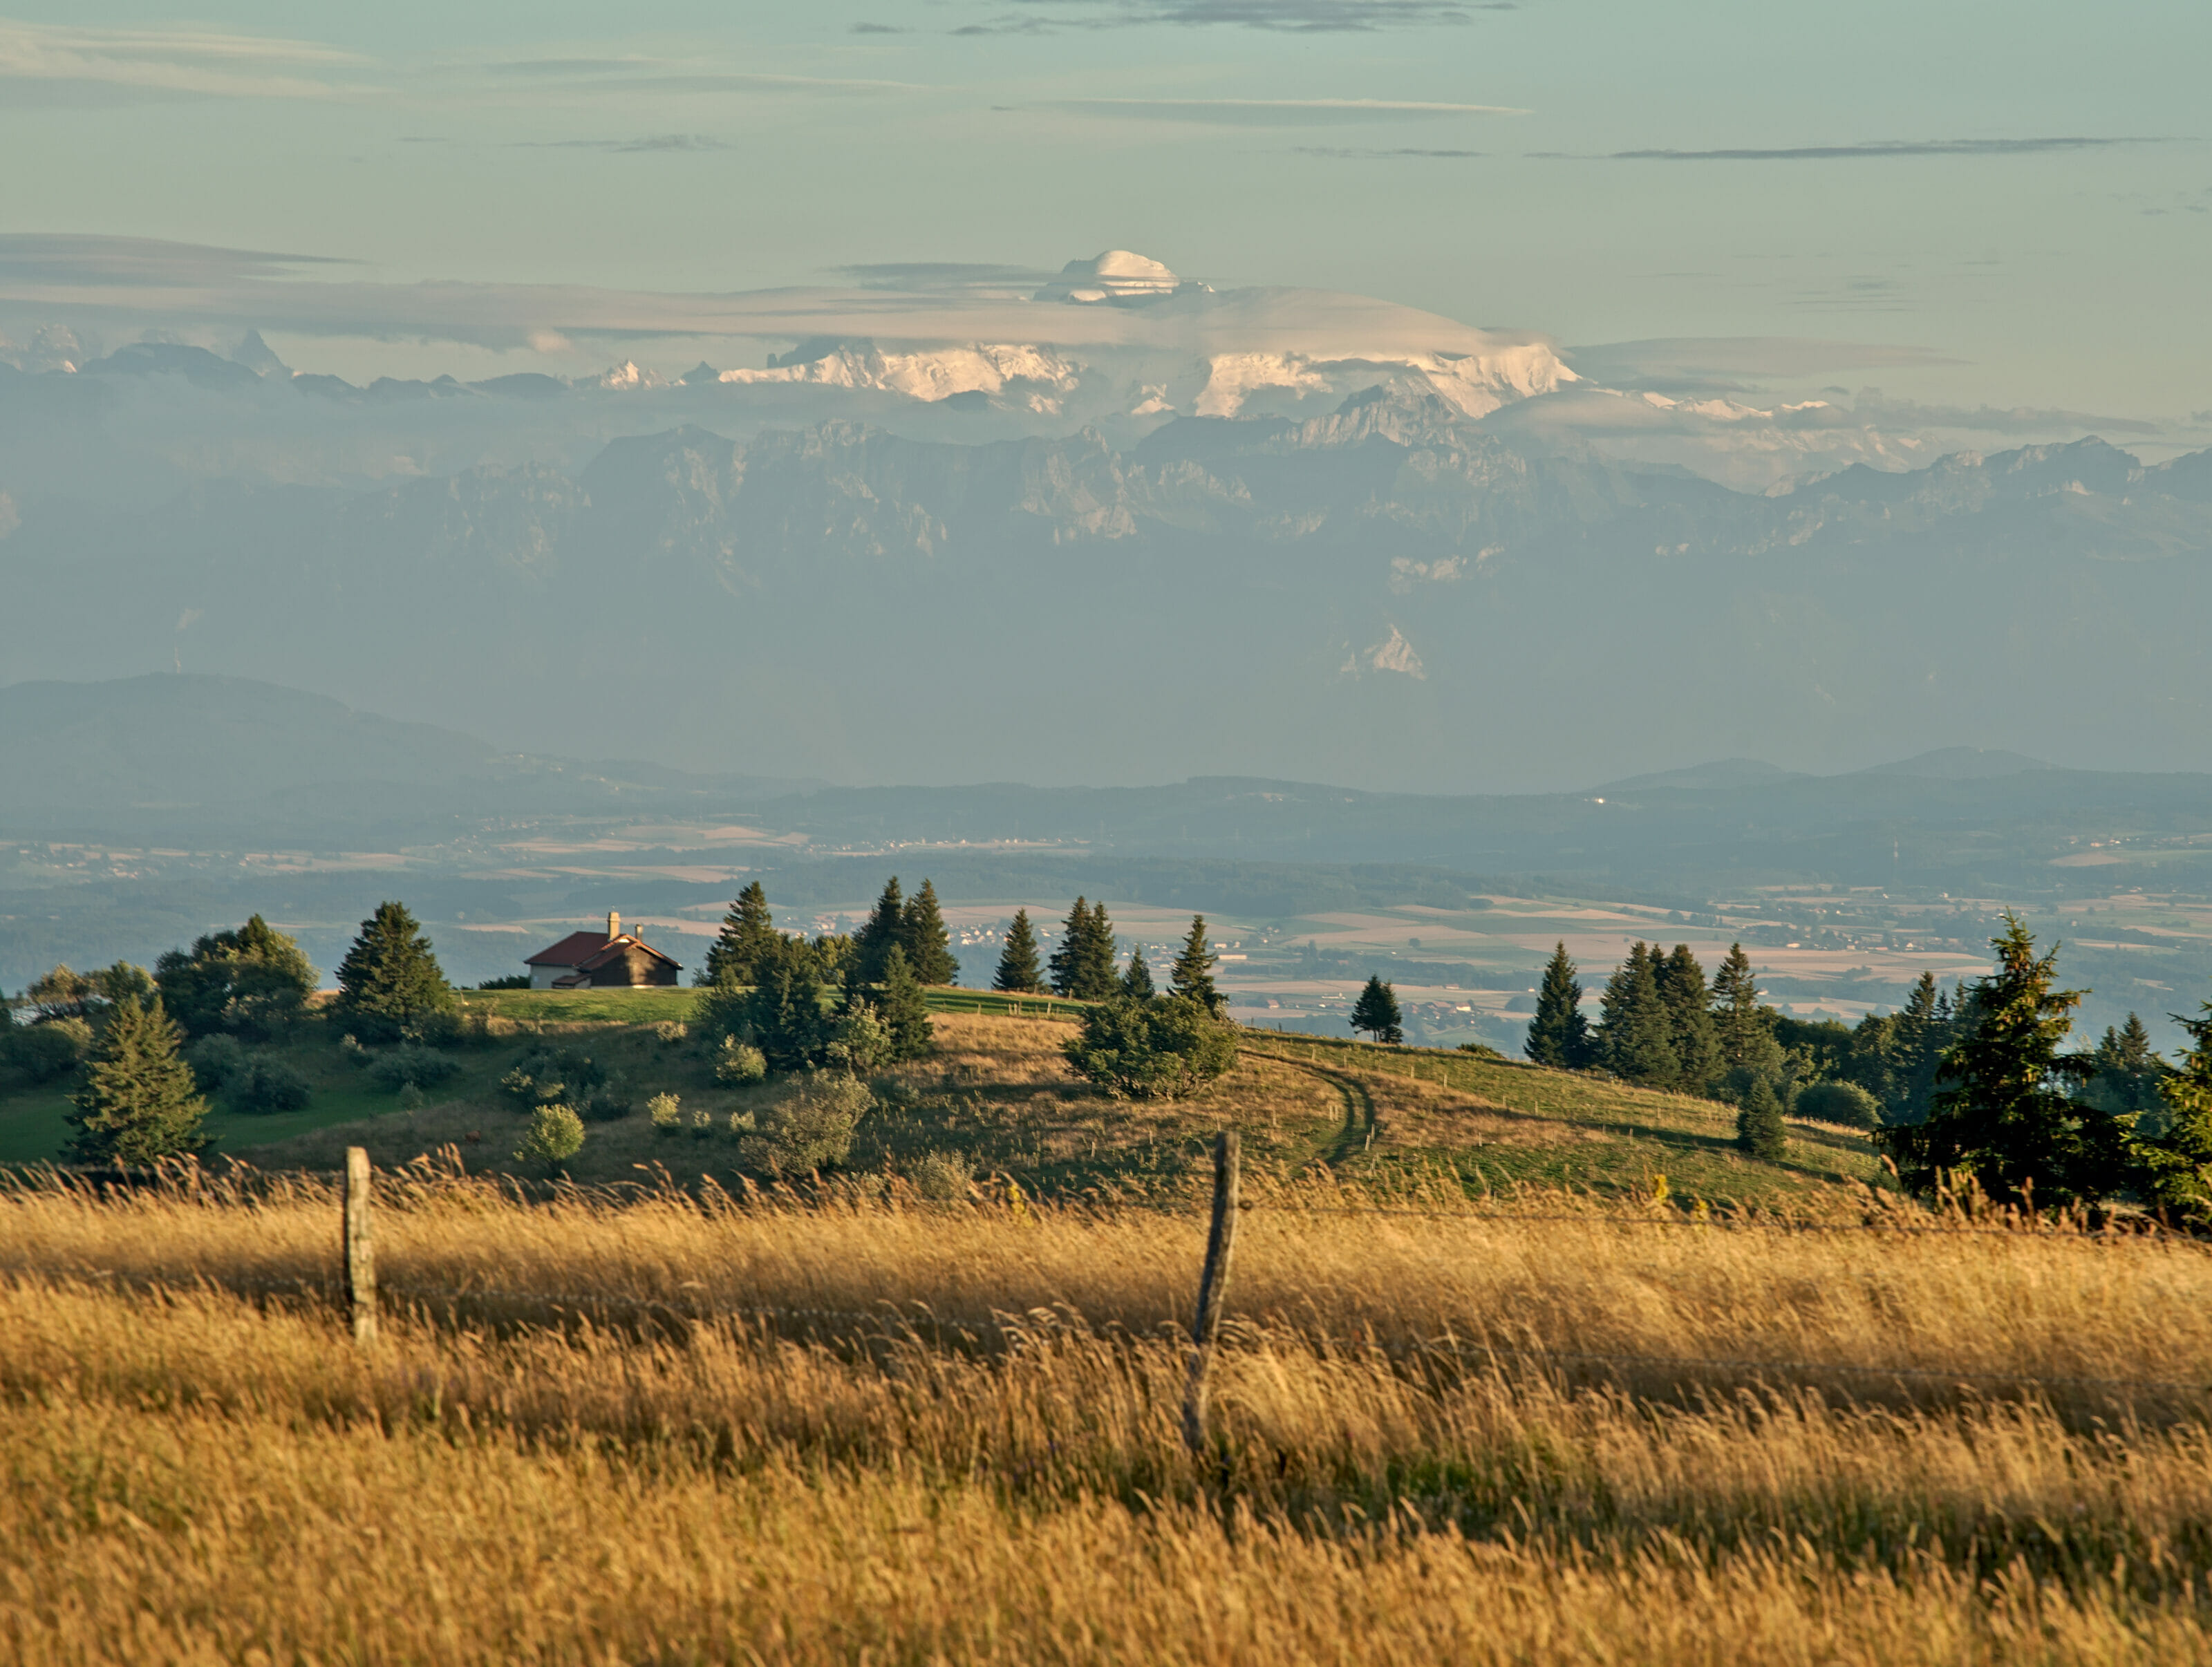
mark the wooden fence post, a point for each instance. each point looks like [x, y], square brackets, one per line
[360, 1254]
[1211, 1285]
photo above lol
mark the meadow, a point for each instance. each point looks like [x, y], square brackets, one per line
[851, 1423]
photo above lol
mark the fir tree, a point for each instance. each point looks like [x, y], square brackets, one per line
[2174, 1167]
[748, 939]
[1377, 1011]
[390, 983]
[1635, 1036]
[139, 1101]
[1558, 1036]
[1068, 955]
[2000, 1113]
[2128, 1073]
[928, 946]
[872, 945]
[1192, 975]
[901, 1007]
[1101, 981]
[1019, 972]
[1696, 1039]
[1136, 981]
[1759, 1128]
[253, 981]
[1740, 1022]
[782, 1013]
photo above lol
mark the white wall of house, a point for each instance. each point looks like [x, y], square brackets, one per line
[542, 977]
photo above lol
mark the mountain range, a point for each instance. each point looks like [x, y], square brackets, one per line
[1391, 593]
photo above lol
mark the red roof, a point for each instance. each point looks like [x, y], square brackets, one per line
[585, 951]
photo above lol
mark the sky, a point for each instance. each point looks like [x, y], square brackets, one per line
[1973, 203]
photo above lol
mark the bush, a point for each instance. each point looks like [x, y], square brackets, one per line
[42, 1052]
[556, 1134]
[512, 981]
[269, 1085]
[216, 1060]
[940, 1177]
[609, 1103]
[811, 1130]
[1161, 1049]
[1846, 1103]
[672, 1031]
[666, 1110]
[738, 1064]
[425, 1066]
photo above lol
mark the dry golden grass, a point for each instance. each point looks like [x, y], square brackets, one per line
[677, 1429]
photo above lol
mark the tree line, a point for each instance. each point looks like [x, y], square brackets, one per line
[1971, 1086]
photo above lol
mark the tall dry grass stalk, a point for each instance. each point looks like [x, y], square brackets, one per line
[719, 1432]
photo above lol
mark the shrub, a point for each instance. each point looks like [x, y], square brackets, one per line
[666, 1110]
[512, 981]
[556, 1134]
[42, 1052]
[268, 1085]
[216, 1060]
[1161, 1049]
[738, 1064]
[1846, 1103]
[940, 1177]
[411, 1098]
[351, 1051]
[520, 1084]
[425, 1066]
[861, 1040]
[672, 1031]
[811, 1130]
[609, 1103]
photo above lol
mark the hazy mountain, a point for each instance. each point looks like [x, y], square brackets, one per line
[1389, 595]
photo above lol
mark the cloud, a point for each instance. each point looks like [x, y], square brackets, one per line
[95, 65]
[1873, 406]
[1295, 16]
[626, 76]
[1875, 148]
[942, 277]
[72, 260]
[1727, 363]
[658, 141]
[1274, 112]
[1343, 153]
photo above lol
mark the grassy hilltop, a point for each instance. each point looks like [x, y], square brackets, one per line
[997, 1098]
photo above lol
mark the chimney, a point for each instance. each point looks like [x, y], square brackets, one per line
[614, 923]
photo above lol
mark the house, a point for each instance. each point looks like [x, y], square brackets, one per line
[613, 959]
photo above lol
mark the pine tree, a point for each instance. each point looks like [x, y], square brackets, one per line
[1137, 981]
[902, 1008]
[928, 946]
[1558, 1036]
[1101, 981]
[2174, 1167]
[1019, 972]
[782, 1014]
[253, 981]
[1377, 1011]
[1759, 1130]
[2000, 1112]
[1696, 1039]
[390, 983]
[1739, 1023]
[2128, 1071]
[1918, 1039]
[139, 1101]
[872, 945]
[1635, 1037]
[747, 941]
[1192, 975]
[1069, 954]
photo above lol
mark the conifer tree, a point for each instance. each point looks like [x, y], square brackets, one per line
[1759, 1130]
[1136, 981]
[747, 941]
[872, 945]
[1101, 981]
[390, 983]
[901, 1007]
[1192, 975]
[253, 981]
[1635, 1036]
[1690, 1025]
[782, 1015]
[1739, 1023]
[1069, 954]
[1558, 1036]
[2128, 1071]
[923, 935]
[139, 1101]
[1019, 972]
[1377, 1011]
[2174, 1167]
[2000, 1112]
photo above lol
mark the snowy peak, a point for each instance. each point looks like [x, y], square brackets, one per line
[1119, 276]
[1035, 376]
